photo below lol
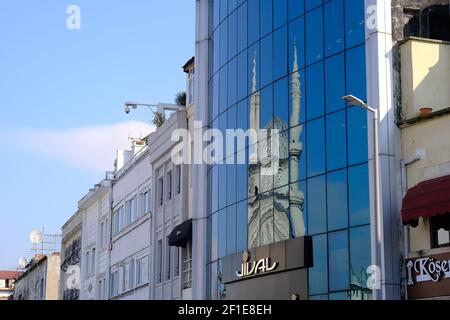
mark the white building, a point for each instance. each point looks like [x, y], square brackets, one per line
[95, 208]
[171, 256]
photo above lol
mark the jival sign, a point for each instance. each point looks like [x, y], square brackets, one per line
[428, 277]
[256, 267]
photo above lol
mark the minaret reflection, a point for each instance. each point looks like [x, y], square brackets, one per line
[296, 196]
[276, 215]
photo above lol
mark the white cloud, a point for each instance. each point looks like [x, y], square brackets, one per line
[92, 148]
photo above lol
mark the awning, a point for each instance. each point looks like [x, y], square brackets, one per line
[181, 234]
[427, 199]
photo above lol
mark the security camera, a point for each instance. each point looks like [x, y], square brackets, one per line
[127, 109]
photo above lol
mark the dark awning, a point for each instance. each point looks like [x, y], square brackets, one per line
[181, 234]
[427, 199]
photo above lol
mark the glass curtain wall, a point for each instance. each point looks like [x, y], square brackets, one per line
[286, 64]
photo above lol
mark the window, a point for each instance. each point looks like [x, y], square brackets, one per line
[191, 87]
[317, 219]
[93, 261]
[318, 275]
[100, 289]
[132, 274]
[133, 209]
[128, 210]
[338, 263]
[440, 231]
[178, 179]
[115, 222]
[161, 191]
[187, 266]
[145, 203]
[337, 200]
[314, 36]
[102, 235]
[126, 277]
[41, 289]
[113, 284]
[358, 195]
[169, 185]
[87, 264]
[168, 259]
[176, 264]
[142, 270]
[159, 262]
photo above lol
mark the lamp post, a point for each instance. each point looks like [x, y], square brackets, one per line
[376, 216]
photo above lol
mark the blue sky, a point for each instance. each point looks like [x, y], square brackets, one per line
[61, 97]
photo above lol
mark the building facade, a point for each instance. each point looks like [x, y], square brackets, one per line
[7, 279]
[70, 270]
[40, 280]
[170, 271]
[130, 224]
[424, 101]
[286, 65]
[95, 210]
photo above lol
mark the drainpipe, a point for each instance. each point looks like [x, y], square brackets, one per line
[404, 178]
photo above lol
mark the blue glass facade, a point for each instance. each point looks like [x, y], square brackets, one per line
[293, 60]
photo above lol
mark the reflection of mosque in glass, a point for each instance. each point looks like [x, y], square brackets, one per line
[277, 214]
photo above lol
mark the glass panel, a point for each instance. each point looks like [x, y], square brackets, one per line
[232, 82]
[231, 229]
[340, 296]
[241, 176]
[315, 91]
[253, 21]
[357, 135]
[214, 236]
[232, 4]
[336, 140]
[281, 213]
[354, 22]
[222, 227]
[297, 83]
[280, 53]
[231, 184]
[314, 36]
[242, 115]
[311, 4]
[281, 103]
[223, 90]
[215, 189]
[216, 49]
[223, 9]
[317, 218]
[316, 147]
[222, 184]
[232, 35]
[242, 82]
[279, 13]
[338, 260]
[297, 40]
[266, 215]
[223, 54]
[253, 63]
[266, 114]
[298, 213]
[334, 27]
[318, 275]
[356, 72]
[359, 262]
[337, 200]
[216, 13]
[266, 11]
[358, 193]
[319, 297]
[335, 83]
[300, 160]
[295, 8]
[266, 48]
[241, 223]
[242, 27]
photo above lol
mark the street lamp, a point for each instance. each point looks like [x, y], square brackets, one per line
[376, 216]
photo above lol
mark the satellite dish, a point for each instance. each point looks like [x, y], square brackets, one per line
[36, 236]
[23, 262]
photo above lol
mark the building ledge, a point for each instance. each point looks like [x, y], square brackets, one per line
[412, 121]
